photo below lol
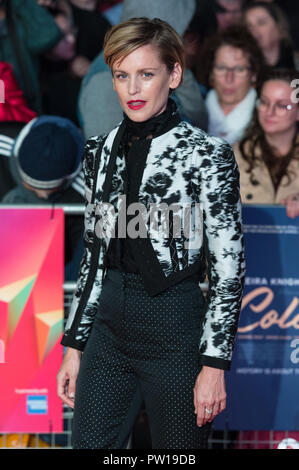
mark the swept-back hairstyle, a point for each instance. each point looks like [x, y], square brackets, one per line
[128, 36]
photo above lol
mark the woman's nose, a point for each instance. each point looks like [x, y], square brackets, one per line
[230, 76]
[270, 110]
[133, 86]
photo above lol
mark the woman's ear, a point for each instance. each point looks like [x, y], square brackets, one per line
[175, 76]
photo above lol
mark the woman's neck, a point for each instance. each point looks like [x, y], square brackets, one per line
[281, 142]
[271, 54]
[228, 108]
[155, 125]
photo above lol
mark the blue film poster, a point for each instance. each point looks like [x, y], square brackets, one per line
[263, 383]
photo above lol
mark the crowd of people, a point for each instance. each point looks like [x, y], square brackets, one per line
[242, 61]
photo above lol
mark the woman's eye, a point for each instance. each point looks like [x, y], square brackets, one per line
[282, 106]
[121, 76]
[147, 74]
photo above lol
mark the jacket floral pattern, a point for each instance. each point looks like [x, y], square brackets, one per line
[184, 165]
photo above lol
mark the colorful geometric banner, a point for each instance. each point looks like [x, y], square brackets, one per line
[31, 319]
[263, 383]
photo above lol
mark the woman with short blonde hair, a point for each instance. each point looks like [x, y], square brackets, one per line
[138, 312]
[125, 38]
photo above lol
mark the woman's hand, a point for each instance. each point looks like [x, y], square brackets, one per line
[292, 205]
[209, 394]
[67, 376]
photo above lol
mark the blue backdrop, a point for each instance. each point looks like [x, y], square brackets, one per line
[263, 383]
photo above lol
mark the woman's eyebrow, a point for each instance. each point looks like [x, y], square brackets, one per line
[276, 101]
[139, 70]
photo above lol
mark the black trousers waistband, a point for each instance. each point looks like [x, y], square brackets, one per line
[128, 278]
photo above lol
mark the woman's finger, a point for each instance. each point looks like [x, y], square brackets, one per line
[61, 384]
[67, 400]
[63, 390]
[218, 407]
[72, 388]
[200, 417]
[222, 405]
[210, 413]
[204, 414]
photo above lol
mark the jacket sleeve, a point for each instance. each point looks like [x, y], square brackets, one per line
[216, 182]
[85, 299]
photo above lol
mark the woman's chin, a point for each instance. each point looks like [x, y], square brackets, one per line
[269, 128]
[137, 115]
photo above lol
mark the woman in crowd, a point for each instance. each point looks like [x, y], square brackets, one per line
[233, 62]
[83, 28]
[27, 32]
[138, 311]
[269, 25]
[268, 155]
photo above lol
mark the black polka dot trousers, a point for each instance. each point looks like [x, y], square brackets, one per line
[141, 349]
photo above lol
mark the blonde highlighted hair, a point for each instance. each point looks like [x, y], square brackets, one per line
[128, 36]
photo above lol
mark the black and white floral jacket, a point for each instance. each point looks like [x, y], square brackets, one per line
[184, 166]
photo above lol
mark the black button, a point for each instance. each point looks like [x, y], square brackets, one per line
[249, 196]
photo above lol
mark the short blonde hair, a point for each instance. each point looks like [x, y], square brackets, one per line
[128, 36]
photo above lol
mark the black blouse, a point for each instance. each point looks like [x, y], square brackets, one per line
[135, 146]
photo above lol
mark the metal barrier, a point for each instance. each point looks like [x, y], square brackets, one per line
[226, 439]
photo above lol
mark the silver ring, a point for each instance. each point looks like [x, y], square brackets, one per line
[208, 411]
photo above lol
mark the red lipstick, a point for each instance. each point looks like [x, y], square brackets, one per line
[136, 104]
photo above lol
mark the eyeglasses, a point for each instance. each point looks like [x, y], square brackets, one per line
[280, 109]
[238, 70]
